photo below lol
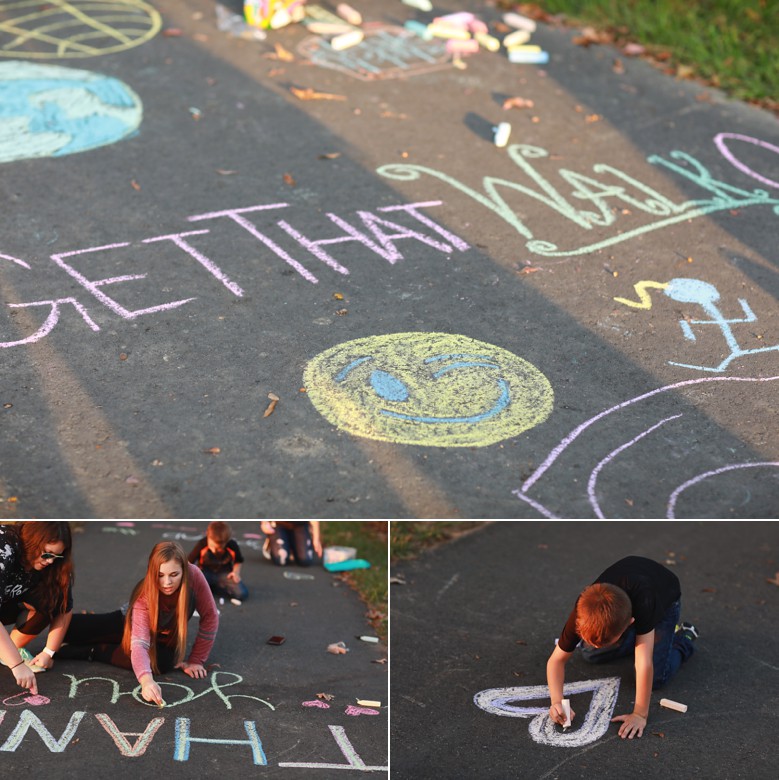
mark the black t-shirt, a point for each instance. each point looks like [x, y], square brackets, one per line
[15, 580]
[651, 588]
[216, 563]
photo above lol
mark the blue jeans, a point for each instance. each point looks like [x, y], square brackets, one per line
[221, 586]
[670, 651]
[288, 543]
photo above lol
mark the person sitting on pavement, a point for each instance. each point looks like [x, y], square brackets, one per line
[151, 638]
[633, 606]
[219, 557]
[298, 540]
[36, 590]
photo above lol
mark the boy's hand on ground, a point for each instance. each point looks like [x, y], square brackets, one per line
[25, 678]
[193, 670]
[558, 716]
[150, 691]
[633, 725]
[233, 577]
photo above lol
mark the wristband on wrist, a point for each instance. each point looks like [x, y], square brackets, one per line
[49, 652]
[15, 665]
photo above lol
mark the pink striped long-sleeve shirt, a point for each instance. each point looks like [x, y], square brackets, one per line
[209, 623]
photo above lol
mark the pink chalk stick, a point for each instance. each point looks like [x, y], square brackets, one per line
[454, 46]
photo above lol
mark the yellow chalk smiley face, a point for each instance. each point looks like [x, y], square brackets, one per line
[435, 389]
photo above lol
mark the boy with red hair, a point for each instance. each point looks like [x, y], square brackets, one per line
[633, 606]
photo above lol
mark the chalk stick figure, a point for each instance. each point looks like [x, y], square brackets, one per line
[706, 296]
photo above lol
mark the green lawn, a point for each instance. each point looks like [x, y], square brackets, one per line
[369, 538]
[409, 538]
[730, 44]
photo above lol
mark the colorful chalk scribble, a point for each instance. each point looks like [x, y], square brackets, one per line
[386, 52]
[51, 111]
[434, 389]
[706, 296]
[57, 29]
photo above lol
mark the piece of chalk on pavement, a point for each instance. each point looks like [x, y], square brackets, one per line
[673, 705]
[347, 40]
[520, 22]
[519, 57]
[418, 28]
[462, 47]
[502, 133]
[369, 638]
[350, 14]
[487, 41]
[422, 5]
[517, 38]
[368, 703]
[567, 712]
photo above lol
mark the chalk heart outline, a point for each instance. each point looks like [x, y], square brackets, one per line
[428, 389]
[542, 729]
[33, 699]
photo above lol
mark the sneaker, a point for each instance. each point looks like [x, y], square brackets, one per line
[689, 630]
[27, 657]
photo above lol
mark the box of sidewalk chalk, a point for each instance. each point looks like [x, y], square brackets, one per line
[338, 554]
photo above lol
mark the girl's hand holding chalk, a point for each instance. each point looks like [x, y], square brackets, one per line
[25, 677]
[150, 691]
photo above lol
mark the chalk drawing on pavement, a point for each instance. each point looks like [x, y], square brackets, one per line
[542, 729]
[435, 389]
[25, 697]
[52, 111]
[143, 738]
[721, 142]
[706, 296]
[347, 750]
[633, 197]
[386, 52]
[216, 686]
[74, 28]
[669, 426]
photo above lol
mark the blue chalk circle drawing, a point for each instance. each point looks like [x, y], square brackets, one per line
[51, 111]
[706, 296]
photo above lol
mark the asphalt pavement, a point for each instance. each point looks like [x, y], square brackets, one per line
[258, 713]
[193, 221]
[476, 620]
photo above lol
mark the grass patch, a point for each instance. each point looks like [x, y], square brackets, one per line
[369, 538]
[409, 538]
[730, 44]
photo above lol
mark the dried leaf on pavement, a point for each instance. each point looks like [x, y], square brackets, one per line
[310, 94]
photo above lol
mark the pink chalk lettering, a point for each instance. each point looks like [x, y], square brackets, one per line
[373, 222]
[411, 209]
[313, 246]
[719, 142]
[14, 260]
[51, 320]
[211, 267]
[235, 216]
[93, 286]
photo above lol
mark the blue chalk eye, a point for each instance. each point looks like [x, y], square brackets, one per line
[388, 387]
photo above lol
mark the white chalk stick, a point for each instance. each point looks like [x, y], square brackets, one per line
[502, 133]
[673, 705]
[519, 22]
[350, 14]
[567, 712]
[368, 703]
[347, 40]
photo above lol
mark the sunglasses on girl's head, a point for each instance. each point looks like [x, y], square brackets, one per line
[47, 556]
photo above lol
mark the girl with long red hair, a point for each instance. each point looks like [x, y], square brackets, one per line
[152, 637]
